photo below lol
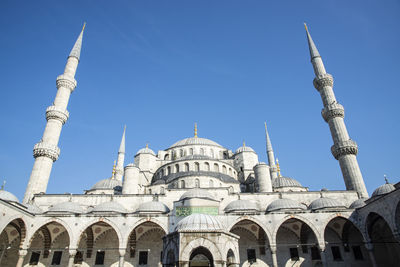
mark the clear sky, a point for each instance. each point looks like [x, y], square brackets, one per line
[161, 66]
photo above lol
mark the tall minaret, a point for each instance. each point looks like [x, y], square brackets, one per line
[270, 153]
[344, 149]
[46, 151]
[119, 171]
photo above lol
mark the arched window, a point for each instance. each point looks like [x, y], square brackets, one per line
[191, 151]
[207, 168]
[211, 153]
[197, 183]
[186, 167]
[201, 151]
[162, 173]
[181, 153]
[166, 157]
[211, 183]
[168, 170]
[224, 169]
[196, 166]
[216, 167]
[230, 171]
[176, 167]
[182, 184]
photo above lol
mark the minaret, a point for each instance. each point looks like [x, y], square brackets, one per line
[270, 153]
[344, 149]
[46, 150]
[119, 171]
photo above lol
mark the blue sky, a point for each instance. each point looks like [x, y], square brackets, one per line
[160, 66]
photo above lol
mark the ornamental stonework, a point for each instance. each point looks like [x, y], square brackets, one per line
[331, 111]
[322, 81]
[348, 147]
[54, 112]
[46, 150]
[66, 82]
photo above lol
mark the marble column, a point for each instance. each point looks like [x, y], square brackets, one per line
[21, 256]
[122, 252]
[371, 255]
[273, 255]
[72, 253]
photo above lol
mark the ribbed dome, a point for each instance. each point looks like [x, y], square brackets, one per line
[244, 149]
[199, 222]
[241, 205]
[195, 141]
[357, 204]
[68, 206]
[153, 207]
[110, 206]
[326, 203]
[285, 204]
[109, 183]
[5, 195]
[197, 193]
[383, 189]
[285, 182]
[33, 209]
[145, 150]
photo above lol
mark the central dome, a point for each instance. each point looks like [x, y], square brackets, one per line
[195, 141]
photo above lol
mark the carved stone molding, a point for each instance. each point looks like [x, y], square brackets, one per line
[66, 81]
[53, 112]
[331, 111]
[323, 80]
[46, 150]
[344, 148]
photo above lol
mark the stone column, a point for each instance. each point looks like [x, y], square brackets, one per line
[72, 253]
[322, 252]
[122, 252]
[371, 255]
[21, 256]
[274, 256]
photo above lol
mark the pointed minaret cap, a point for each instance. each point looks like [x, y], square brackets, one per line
[122, 145]
[76, 50]
[313, 49]
[269, 145]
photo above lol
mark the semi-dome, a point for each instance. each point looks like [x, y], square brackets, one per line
[110, 206]
[358, 203]
[199, 222]
[195, 141]
[197, 193]
[152, 207]
[5, 195]
[241, 205]
[109, 183]
[285, 182]
[32, 208]
[326, 203]
[285, 204]
[383, 189]
[244, 149]
[145, 150]
[68, 206]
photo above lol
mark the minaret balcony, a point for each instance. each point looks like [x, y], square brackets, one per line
[54, 112]
[322, 81]
[46, 150]
[331, 111]
[348, 147]
[66, 82]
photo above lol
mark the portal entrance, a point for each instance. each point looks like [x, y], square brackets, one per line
[201, 257]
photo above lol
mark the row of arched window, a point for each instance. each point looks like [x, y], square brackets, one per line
[206, 166]
[175, 154]
[182, 183]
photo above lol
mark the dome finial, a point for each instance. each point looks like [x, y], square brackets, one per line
[244, 143]
[386, 179]
[195, 129]
[113, 171]
[278, 167]
[147, 145]
[3, 185]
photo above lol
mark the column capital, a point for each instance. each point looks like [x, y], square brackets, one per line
[122, 252]
[322, 81]
[22, 252]
[72, 252]
[42, 149]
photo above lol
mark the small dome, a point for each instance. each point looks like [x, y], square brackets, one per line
[326, 203]
[241, 205]
[197, 193]
[5, 195]
[33, 209]
[199, 222]
[145, 150]
[358, 203]
[195, 141]
[153, 207]
[68, 206]
[383, 189]
[110, 206]
[285, 204]
[109, 183]
[244, 149]
[285, 182]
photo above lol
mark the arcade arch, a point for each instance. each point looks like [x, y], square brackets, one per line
[11, 239]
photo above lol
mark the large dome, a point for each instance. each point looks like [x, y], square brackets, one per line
[285, 204]
[109, 183]
[197, 193]
[5, 195]
[285, 182]
[195, 141]
[383, 189]
[199, 223]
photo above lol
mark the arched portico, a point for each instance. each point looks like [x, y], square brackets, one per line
[191, 247]
[11, 239]
[201, 256]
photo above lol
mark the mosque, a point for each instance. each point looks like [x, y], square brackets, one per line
[198, 203]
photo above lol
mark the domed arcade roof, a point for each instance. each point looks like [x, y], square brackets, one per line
[195, 141]
[109, 183]
[326, 203]
[285, 204]
[241, 205]
[199, 222]
[110, 206]
[358, 203]
[33, 209]
[285, 182]
[197, 193]
[153, 207]
[383, 189]
[68, 207]
[5, 195]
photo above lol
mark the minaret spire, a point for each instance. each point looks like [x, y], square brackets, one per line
[46, 151]
[76, 50]
[344, 149]
[270, 154]
[119, 171]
